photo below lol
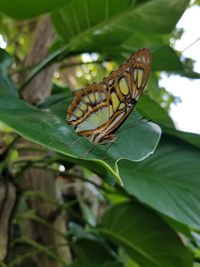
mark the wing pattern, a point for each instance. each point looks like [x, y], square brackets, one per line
[98, 110]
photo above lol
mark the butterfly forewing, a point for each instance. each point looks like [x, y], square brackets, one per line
[98, 110]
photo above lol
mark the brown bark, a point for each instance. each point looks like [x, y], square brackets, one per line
[42, 180]
[40, 87]
[7, 203]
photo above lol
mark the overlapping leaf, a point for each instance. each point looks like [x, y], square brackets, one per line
[168, 181]
[144, 236]
[48, 127]
[94, 24]
[23, 9]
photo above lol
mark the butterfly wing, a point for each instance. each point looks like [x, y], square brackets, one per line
[98, 110]
[89, 110]
[125, 85]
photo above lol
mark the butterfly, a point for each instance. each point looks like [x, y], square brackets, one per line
[98, 110]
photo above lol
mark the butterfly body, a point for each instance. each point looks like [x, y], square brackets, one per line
[98, 110]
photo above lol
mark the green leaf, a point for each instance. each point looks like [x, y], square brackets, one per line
[168, 181]
[94, 264]
[151, 110]
[23, 9]
[100, 253]
[144, 236]
[87, 24]
[127, 261]
[191, 138]
[48, 127]
[165, 58]
[6, 84]
[138, 40]
[188, 74]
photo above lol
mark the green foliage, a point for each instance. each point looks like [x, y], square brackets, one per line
[60, 135]
[6, 84]
[171, 173]
[26, 10]
[150, 186]
[143, 245]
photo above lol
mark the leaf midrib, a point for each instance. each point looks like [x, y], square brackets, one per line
[106, 22]
[130, 245]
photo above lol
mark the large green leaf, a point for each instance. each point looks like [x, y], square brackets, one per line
[95, 264]
[23, 9]
[98, 24]
[144, 236]
[105, 26]
[151, 110]
[114, 27]
[191, 138]
[48, 127]
[165, 58]
[168, 181]
[7, 86]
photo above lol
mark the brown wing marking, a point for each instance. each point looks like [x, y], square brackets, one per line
[86, 101]
[120, 91]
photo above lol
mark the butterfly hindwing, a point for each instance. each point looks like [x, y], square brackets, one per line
[89, 109]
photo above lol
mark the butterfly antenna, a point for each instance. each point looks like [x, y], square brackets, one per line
[190, 45]
[73, 143]
[141, 120]
[88, 151]
[106, 150]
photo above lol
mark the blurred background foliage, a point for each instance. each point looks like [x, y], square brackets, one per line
[136, 207]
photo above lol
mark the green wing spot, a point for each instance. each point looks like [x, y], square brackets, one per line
[122, 106]
[92, 98]
[140, 77]
[78, 113]
[110, 110]
[123, 86]
[98, 97]
[95, 120]
[115, 101]
[82, 105]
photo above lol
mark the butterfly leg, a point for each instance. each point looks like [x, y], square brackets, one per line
[88, 151]
[106, 150]
[73, 143]
[141, 120]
